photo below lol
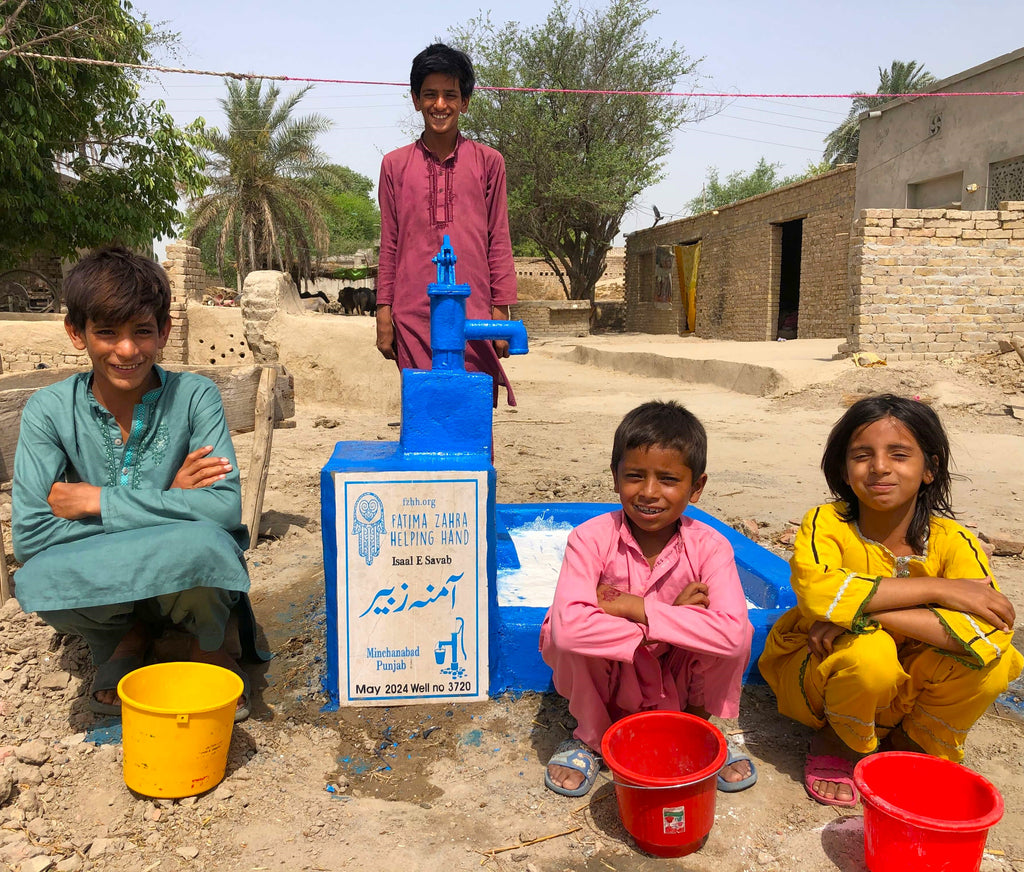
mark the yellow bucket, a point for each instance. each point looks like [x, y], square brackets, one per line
[176, 722]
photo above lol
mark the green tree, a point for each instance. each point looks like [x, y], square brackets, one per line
[266, 204]
[575, 162]
[902, 77]
[354, 222]
[83, 159]
[739, 185]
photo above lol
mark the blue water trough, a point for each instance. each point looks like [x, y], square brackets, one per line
[518, 608]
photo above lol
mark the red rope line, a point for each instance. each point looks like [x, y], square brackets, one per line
[736, 94]
[582, 91]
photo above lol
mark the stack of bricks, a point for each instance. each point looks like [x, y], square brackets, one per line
[188, 281]
[936, 283]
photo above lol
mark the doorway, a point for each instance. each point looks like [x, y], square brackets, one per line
[791, 245]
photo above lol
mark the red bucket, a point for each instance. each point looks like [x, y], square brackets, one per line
[924, 813]
[665, 765]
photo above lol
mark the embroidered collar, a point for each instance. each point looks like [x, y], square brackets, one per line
[455, 151]
[148, 399]
[901, 563]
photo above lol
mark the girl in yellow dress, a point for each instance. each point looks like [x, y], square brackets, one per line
[901, 638]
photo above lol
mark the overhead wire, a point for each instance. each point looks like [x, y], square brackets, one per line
[776, 98]
[227, 74]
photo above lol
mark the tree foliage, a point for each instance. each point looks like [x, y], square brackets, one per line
[267, 202]
[354, 222]
[83, 159]
[739, 185]
[902, 77]
[575, 162]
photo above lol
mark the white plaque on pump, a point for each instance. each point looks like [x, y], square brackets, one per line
[412, 586]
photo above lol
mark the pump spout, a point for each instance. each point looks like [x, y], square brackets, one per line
[514, 332]
[449, 326]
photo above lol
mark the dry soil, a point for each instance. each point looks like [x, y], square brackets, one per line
[459, 787]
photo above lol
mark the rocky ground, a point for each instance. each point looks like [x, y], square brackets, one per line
[460, 786]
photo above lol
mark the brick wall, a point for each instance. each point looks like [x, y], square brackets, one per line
[537, 281]
[553, 317]
[30, 341]
[49, 265]
[188, 281]
[738, 277]
[614, 265]
[931, 283]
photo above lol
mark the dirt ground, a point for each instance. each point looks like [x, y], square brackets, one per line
[459, 787]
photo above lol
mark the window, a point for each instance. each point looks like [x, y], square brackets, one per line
[1005, 181]
[944, 192]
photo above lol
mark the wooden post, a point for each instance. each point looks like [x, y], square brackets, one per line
[262, 438]
[5, 575]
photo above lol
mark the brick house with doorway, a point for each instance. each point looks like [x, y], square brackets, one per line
[915, 252]
[937, 249]
[768, 266]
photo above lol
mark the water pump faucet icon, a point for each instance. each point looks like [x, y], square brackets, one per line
[456, 643]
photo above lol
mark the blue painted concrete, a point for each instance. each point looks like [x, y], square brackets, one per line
[375, 457]
[446, 426]
[516, 664]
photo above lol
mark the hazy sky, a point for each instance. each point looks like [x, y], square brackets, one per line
[795, 46]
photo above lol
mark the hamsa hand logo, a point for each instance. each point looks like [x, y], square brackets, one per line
[368, 525]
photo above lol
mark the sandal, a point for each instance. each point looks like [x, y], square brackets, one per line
[828, 767]
[108, 676]
[736, 755]
[574, 754]
[242, 711]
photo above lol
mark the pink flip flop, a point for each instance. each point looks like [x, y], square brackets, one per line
[828, 767]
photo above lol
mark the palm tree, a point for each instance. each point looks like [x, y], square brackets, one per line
[902, 77]
[265, 199]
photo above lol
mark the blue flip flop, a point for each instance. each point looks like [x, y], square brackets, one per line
[574, 754]
[735, 756]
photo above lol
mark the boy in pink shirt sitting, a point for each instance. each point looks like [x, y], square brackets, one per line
[649, 612]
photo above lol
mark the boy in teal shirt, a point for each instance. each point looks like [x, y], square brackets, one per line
[126, 496]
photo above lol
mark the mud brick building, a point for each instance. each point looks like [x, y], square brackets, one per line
[778, 261]
[915, 252]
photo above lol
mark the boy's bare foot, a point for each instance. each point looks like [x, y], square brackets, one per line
[132, 647]
[826, 743]
[731, 772]
[572, 768]
[565, 777]
[737, 771]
